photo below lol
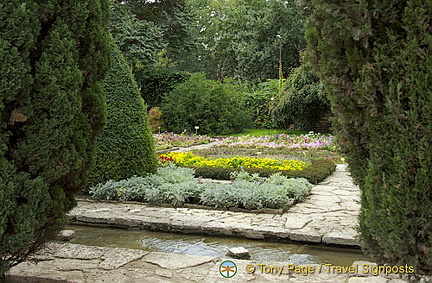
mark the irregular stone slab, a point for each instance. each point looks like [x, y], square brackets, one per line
[71, 264]
[306, 235]
[117, 257]
[239, 252]
[251, 234]
[297, 221]
[177, 261]
[346, 237]
[79, 252]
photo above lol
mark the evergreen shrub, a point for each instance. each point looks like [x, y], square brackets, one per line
[215, 107]
[375, 58]
[126, 146]
[53, 55]
[303, 103]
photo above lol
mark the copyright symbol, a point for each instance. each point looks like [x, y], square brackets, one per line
[250, 268]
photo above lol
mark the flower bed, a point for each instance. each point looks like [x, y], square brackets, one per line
[167, 140]
[177, 186]
[318, 170]
[307, 141]
[187, 159]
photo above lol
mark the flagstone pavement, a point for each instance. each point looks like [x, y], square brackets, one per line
[327, 216]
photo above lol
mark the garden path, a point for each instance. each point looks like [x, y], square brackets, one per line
[186, 149]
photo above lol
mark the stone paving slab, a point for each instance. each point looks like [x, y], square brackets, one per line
[328, 216]
[80, 263]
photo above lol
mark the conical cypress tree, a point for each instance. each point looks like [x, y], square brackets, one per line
[375, 58]
[53, 55]
[126, 146]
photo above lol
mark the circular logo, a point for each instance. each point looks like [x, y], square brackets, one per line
[228, 269]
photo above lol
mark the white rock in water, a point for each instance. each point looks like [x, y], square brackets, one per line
[66, 235]
[238, 252]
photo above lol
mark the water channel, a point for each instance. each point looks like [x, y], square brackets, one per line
[260, 250]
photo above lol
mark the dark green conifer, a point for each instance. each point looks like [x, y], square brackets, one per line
[53, 55]
[375, 58]
[126, 146]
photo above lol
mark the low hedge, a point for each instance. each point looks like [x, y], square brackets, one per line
[315, 173]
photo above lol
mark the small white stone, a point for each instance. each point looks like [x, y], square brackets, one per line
[238, 252]
[66, 235]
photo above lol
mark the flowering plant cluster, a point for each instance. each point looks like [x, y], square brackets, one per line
[188, 159]
[307, 141]
[168, 140]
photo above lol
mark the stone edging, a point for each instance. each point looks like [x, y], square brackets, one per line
[327, 216]
[79, 263]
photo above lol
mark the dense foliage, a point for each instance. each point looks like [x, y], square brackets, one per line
[154, 82]
[239, 38]
[303, 103]
[126, 146]
[214, 107]
[53, 55]
[259, 102]
[142, 29]
[153, 37]
[375, 60]
[177, 186]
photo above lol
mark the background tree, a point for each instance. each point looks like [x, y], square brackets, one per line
[126, 146]
[215, 107]
[303, 103]
[53, 56]
[239, 41]
[155, 37]
[375, 59]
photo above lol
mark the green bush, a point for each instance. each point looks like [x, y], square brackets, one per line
[215, 107]
[375, 58]
[258, 101]
[126, 146]
[177, 186]
[303, 103]
[155, 82]
[53, 55]
[314, 173]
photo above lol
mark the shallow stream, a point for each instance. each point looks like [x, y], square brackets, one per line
[260, 250]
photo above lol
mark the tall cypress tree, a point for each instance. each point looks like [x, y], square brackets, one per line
[53, 54]
[126, 146]
[375, 58]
